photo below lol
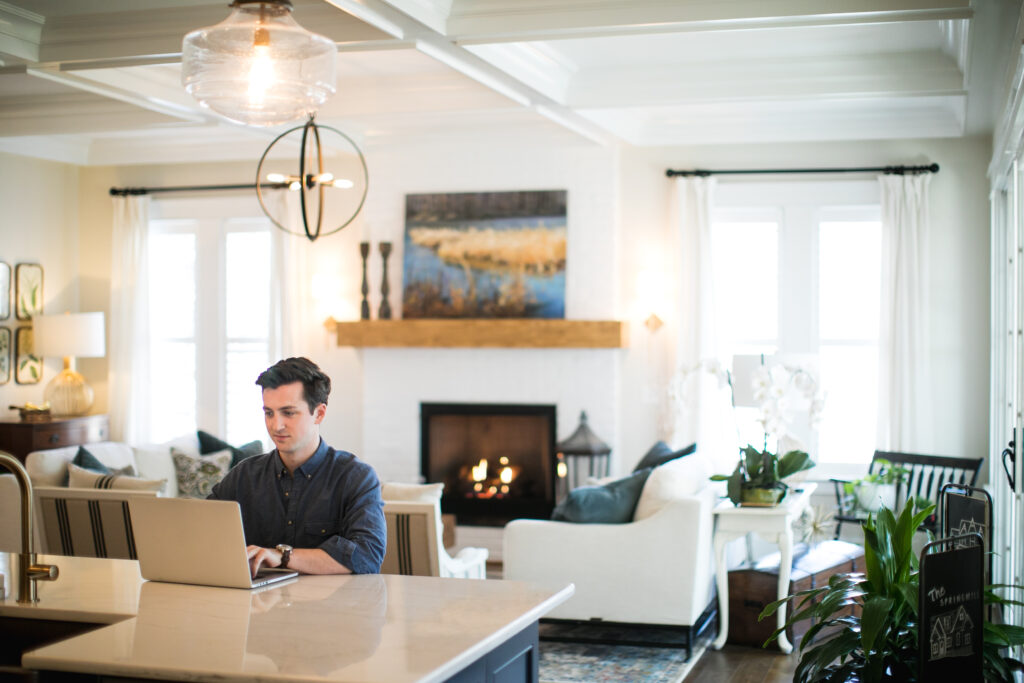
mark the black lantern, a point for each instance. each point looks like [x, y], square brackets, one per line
[583, 443]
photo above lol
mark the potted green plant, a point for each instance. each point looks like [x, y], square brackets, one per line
[758, 477]
[877, 640]
[877, 489]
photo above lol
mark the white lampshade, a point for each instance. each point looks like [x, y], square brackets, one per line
[259, 66]
[68, 336]
[743, 369]
[79, 335]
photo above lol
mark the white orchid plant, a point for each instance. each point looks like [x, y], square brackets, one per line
[781, 392]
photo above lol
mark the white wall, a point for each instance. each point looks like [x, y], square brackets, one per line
[40, 225]
[959, 276]
[395, 381]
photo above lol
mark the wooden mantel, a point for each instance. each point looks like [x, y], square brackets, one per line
[482, 333]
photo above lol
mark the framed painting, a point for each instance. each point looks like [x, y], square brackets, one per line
[5, 292]
[28, 369]
[485, 255]
[5, 355]
[28, 290]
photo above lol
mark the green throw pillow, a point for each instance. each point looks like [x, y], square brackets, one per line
[210, 444]
[612, 503]
[661, 453]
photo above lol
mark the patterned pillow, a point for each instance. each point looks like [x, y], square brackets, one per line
[79, 477]
[197, 475]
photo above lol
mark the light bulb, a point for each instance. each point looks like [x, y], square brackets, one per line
[275, 178]
[261, 74]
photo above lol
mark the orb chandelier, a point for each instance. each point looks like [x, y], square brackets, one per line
[339, 193]
[258, 66]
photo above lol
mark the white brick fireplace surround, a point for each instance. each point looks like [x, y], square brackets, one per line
[397, 381]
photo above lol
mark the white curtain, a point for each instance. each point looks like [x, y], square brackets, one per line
[292, 266]
[904, 396]
[701, 409]
[128, 353]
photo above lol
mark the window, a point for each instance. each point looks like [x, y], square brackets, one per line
[210, 317]
[797, 274]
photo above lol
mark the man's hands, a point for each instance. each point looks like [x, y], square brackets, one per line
[262, 557]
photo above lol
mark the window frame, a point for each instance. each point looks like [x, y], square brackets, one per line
[799, 208]
[211, 219]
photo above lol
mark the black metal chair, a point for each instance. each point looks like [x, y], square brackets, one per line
[925, 478]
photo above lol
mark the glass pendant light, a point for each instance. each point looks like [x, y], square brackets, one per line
[259, 66]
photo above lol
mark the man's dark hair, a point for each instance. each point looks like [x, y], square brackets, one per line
[315, 384]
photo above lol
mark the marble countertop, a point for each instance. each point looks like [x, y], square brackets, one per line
[87, 590]
[315, 628]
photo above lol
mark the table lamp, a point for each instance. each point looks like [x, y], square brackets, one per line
[69, 336]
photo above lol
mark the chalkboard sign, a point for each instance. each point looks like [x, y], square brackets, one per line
[968, 510]
[951, 601]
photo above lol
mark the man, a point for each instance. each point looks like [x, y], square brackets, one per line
[305, 506]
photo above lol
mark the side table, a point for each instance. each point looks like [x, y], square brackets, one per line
[773, 524]
[21, 438]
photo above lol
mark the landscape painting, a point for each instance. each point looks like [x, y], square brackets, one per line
[485, 255]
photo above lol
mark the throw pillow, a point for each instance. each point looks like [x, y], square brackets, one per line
[79, 477]
[210, 444]
[415, 493]
[88, 461]
[661, 453]
[196, 476]
[612, 503]
[678, 478]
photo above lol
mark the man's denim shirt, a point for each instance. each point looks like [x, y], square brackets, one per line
[332, 502]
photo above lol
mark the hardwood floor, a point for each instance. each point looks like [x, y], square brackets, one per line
[739, 664]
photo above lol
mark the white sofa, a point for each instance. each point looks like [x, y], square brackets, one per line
[153, 461]
[47, 469]
[657, 569]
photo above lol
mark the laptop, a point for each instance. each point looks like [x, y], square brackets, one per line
[200, 542]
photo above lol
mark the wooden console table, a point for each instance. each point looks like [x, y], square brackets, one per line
[21, 438]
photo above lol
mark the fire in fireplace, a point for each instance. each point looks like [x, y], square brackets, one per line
[497, 461]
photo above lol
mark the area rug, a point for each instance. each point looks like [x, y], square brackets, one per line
[598, 663]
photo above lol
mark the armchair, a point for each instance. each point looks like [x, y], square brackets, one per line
[925, 477]
[657, 569]
[414, 545]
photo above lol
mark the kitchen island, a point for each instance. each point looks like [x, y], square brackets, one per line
[358, 629]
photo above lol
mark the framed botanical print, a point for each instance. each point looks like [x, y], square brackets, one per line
[28, 369]
[5, 293]
[5, 355]
[28, 290]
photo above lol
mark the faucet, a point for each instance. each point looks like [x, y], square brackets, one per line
[29, 572]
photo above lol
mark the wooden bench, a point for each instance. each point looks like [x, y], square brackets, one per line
[926, 475]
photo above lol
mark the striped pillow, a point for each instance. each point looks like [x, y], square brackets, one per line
[81, 478]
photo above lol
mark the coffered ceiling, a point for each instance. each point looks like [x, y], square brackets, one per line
[97, 81]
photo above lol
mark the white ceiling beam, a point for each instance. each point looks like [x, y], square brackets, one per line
[889, 75]
[20, 33]
[489, 21]
[432, 43]
[134, 98]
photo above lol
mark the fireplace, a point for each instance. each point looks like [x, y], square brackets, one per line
[497, 461]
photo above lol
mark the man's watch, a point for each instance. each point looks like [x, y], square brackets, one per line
[286, 554]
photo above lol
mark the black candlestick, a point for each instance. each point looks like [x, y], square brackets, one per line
[385, 307]
[364, 309]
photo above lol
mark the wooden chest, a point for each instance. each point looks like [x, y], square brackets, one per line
[751, 589]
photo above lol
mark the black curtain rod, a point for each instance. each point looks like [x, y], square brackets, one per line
[888, 170]
[125, 191]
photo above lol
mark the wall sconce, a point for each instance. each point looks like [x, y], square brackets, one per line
[258, 66]
[651, 297]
